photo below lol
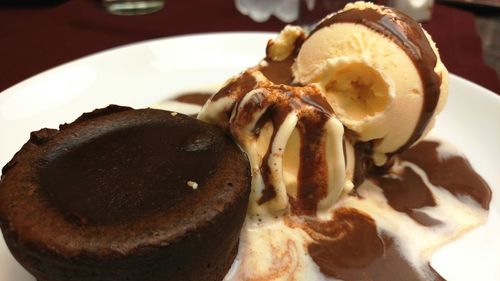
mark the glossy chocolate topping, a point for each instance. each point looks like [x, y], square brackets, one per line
[237, 88]
[280, 72]
[406, 192]
[313, 175]
[363, 161]
[408, 34]
[452, 171]
[251, 101]
[197, 98]
[313, 111]
[349, 247]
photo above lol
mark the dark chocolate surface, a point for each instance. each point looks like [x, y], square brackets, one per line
[114, 184]
[129, 172]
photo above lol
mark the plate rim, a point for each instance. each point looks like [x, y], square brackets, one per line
[183, 37]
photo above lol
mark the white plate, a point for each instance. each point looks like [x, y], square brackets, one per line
[145, 73]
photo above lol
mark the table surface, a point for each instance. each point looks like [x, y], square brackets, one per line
[488, 27]
[36, 38]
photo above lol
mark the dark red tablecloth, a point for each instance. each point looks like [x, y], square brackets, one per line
[33, 39]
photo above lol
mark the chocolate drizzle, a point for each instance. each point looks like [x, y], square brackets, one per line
[280, 72]
[197, 98]
[276, 115]
[313, 111]
[237, 88]
[313, 176]
[363, 163]
[408, 34]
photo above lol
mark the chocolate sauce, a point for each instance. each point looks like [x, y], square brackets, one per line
[406, 192]
[277, 109]
[279, 72]
[278, 101]
[277, 116]
[348, 247]
[312, 181]
[313, 175]
[452, 172]
[237, 88]
[363, 162]
[197, 98]
[408, 34]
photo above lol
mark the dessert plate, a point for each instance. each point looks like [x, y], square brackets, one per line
[146, 73]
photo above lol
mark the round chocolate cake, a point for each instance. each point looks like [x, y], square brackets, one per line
[122, 194]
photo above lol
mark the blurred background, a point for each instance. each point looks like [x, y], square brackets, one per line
[36, 35]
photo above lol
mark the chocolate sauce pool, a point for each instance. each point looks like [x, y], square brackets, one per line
[279, 72]
[349, 247]
[197, 98]
[454, 173]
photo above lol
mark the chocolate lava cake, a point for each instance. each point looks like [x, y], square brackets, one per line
[122, 194]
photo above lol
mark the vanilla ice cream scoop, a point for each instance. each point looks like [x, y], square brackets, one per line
[293, 140]
[380, 72]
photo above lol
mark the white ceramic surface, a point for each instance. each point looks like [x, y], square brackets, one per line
[145, 73]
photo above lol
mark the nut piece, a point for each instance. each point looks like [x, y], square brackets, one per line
[192, 184]
[281, 47]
